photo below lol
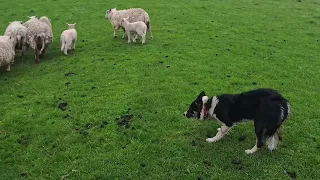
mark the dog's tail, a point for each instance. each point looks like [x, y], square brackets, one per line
[273, 137]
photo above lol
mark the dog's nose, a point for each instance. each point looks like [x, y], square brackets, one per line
[185, 113]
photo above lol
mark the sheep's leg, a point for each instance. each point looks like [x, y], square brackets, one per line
[124, 33]
[129, 37]
[149, 29]
[74, 44]
[115, 33]
[43, 51]
[143, 36]
[8, 67]
[36, 55]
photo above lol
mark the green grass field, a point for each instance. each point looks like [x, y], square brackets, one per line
[217, 46]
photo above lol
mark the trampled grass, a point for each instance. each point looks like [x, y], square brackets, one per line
[217, 46]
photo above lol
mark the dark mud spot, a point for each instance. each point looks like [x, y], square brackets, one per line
[83, 40]
[161, 62]
[228, 76]
[67, 84]
[228, 49]
[312, 22]
[207, 163]
[24, 140]
[217, 54]
[63, 106]
[242, 138]
[125, 120]
[83, 95]
[104, 123]
[168, 67]
[20, 96]
[292, 174]
[166, 56]
[200, 178]
[194, 143]
[24, 175]
[66, 116]
[236, 162]
[93, 87]
[254, 83]
[70, 74]
[140, 116]
[143, 165]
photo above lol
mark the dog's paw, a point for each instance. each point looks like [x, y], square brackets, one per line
[249, 151]
[210, 140]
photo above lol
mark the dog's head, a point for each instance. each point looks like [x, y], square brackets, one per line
[196, 106]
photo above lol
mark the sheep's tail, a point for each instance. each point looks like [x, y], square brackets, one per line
[63, 42]
[147, 21]
[42, 37]
[19, 41]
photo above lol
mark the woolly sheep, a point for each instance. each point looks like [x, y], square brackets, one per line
[7, 53]
[18, 32]
[134, 14]
[68, 38]
[31, 19]
[39, 37]
[46, 20]
[132, 29]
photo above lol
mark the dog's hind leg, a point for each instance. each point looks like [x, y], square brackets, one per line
[220, 134]
[259, 141]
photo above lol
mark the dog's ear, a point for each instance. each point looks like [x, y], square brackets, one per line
[201, 95]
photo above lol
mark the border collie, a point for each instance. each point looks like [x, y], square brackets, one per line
[266, 107]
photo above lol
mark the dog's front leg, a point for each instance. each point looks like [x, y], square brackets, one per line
[220, 134]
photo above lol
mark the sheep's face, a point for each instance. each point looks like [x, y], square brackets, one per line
[109, 13]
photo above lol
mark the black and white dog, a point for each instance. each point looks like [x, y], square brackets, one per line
[266, 107]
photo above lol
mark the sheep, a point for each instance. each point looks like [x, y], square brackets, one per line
[46, 20]
[134, 14]
[39, 37]
[132, 29]
[31, 19]
[69, 38]
[17, 31]
[7, 52]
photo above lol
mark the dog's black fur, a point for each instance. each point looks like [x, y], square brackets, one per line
[266, 107]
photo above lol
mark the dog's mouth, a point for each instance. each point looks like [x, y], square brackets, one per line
[190, 114]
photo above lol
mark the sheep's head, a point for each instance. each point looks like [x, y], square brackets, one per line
[109, 13]
[32, 17]
[123, 20]
[72, 26]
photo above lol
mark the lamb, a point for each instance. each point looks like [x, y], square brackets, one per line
[18, 32]
[132, 29]
[7, 52]
[135, 14]
[39, 37]
[69, 38]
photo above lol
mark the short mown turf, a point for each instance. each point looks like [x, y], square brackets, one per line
[113, 110]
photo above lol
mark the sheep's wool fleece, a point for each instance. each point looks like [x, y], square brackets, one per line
[134, 14]
[37, 27]
[16, 28]
[7, 53]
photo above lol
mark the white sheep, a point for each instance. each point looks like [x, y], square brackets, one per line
[134, 29]
[46, 20]
[7, 52]
[31, 19]
[69, 38]
[135, 14]
[18, 32]
[39, 37]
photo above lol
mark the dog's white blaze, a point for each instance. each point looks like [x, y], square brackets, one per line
[281, 113]
[272, 142]
[204, 101]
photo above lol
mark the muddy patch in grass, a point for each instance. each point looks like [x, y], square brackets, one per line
[63, 106]
[125, 120]
[24, 140]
